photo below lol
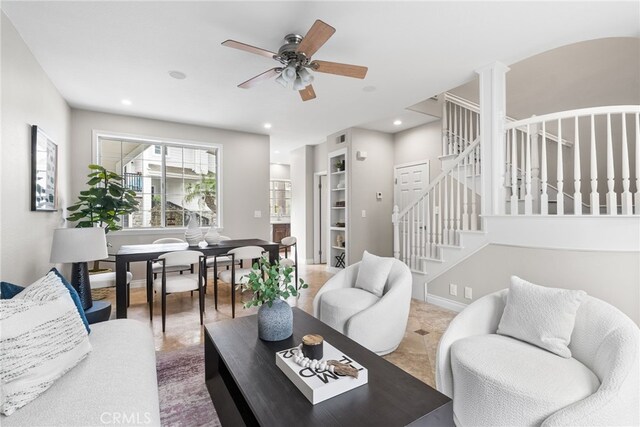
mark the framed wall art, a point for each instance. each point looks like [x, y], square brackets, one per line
[44, 171]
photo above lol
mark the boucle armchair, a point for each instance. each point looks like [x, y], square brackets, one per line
[376, 323]
[497, 380]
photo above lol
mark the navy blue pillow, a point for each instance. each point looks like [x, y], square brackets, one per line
[74, 296]
[9, 290]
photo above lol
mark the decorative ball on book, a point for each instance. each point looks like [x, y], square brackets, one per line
[312, 346]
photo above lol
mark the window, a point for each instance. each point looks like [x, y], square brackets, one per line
[170, 184]
[280, 198]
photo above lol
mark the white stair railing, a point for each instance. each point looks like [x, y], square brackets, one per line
[448, 205]
[460, 124]
[528, 157]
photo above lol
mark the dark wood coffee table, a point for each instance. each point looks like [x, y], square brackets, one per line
[247, 388]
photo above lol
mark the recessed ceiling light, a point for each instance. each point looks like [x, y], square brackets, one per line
[276, 151]
[126, 102]
[369, 89]
[178, 75]
[267, 125]
[397, 122]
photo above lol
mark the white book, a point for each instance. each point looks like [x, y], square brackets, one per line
[320, 386]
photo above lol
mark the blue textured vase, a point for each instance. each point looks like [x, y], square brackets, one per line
[275, 323]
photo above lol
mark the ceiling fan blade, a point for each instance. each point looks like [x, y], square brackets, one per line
[355, 71]
[260, 77]
[307, 93]
[248, 48]
[317, 35]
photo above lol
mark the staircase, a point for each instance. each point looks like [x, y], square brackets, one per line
[443, 225]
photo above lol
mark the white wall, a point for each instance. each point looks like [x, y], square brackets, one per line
[279, 171]
[28, 98]
[320, 157]
[302, 200]
[245, 170]
[374, 232]
[611, 276]
[420, 143]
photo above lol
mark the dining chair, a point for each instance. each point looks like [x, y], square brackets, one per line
[290, 244]
[176, 283]
[235, 276]
[223, 261]
[156, 268]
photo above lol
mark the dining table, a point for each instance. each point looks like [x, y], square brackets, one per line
[127, 254]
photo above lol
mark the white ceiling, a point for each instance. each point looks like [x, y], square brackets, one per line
[97, 53]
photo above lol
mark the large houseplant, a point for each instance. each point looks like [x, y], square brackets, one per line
[271, 284]
[104, 202]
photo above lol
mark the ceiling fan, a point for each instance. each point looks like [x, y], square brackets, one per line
[295, 57]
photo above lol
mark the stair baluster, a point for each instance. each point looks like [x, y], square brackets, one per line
[627, 205]
[560, 173]
[577, 194]
[528, 200]
[611, 195]
[637, 195]
[514, 172]
[595, 197]
[544, 197]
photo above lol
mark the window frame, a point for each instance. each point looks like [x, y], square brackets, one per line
[154, 140]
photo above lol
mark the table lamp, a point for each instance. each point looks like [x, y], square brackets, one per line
[78, 246]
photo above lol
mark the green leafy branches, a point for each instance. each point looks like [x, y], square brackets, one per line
[270, 282]
[104, 202]
[203, 191]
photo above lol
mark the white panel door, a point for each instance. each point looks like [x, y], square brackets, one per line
[410, 182]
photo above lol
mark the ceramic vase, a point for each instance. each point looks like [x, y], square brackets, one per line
[212, 237]
[193, 235]
[275, 323]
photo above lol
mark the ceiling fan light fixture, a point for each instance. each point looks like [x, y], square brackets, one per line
[306, 76]
[289, 73]
[280, 79]
[298, 84]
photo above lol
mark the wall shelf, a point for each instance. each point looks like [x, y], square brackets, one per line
[338, 183]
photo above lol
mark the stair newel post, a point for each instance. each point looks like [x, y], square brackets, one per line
[528, 205]
[594, 196]
[612, 209]
[456, 129]
[458, 206]
[465, 196]
[514, 172]
[626, 200]
[560, 173]
[577, 194]
[412, 237]
[427, 230]
[475, 167]
[396, 232]
[452, 209]
[637, 195]
[521, 167]
[445, 206]
[544, 197]
[535, 167]
[440, 221]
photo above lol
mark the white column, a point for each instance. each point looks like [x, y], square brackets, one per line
[492, 116]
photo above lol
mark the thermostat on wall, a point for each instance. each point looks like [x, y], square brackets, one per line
[361, 155]
[379, 195]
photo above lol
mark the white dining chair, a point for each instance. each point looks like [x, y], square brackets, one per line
[235, 276]
[156, 268]
[170, 284]
[290, 245]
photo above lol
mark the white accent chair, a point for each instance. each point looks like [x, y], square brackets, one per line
[497, 380]
[376, 323]
[156, 267]
[234, 276]
[178, 283]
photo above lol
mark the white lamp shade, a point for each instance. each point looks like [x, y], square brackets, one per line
[289, 73]
[78, 245]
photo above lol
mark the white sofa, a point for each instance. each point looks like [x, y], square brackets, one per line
[376, 323]
[115, 384]
[496, 380]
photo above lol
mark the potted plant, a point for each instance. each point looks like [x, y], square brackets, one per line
[271, 285]
[103, 203]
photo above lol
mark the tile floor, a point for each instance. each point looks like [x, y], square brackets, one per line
[416, 354]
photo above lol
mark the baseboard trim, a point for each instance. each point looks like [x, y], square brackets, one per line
[446, 303]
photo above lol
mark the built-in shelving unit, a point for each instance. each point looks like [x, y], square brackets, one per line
[338, 202]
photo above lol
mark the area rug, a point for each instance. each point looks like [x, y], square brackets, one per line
[184, 399]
